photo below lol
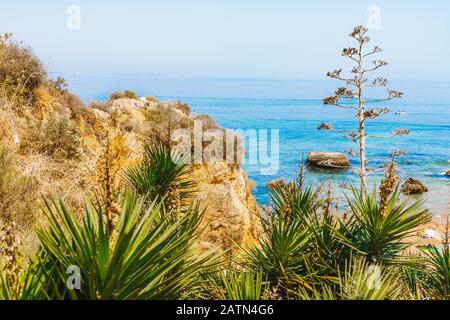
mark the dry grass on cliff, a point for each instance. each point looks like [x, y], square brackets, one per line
[56, 137]
[41, 144]
[18, 192]
[56, 145]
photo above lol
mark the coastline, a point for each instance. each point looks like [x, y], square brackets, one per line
[138, 187]
[297, 118]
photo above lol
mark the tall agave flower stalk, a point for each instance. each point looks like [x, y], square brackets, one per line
[108, 168]
[354, 95]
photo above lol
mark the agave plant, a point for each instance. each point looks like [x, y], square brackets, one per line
[368, 281]
[162, 174]
[438, 277]
[281, 254]
[329, 252]
[31, 284]
[238, 285]
[291, 200]
[285, 251]
[381, 235]
[360, 280]
[415, 279]
[150, 256]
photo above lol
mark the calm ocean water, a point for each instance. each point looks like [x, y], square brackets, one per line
[295, 108]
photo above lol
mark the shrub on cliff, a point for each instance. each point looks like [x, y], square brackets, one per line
[59, 89]
[183, 107]
[17, 192]
[126, 94]
[56, 137]
[21, 72]
[163, 120]
[152, 99]
[208, 123]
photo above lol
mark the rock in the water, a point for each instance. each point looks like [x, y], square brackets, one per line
[447, 174]
[329, 160]
[413, 186]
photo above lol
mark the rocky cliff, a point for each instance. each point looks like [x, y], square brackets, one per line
[231, 211]
[80, 133]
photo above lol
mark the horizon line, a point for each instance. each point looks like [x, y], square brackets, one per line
[219, 77]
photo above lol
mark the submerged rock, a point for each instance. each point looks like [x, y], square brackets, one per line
[328, 160]
[413, 186]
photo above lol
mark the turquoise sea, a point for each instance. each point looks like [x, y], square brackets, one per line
[295, 108]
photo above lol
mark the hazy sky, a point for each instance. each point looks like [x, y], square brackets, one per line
[230, 38]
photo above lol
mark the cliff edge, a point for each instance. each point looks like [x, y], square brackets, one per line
[57, 148]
